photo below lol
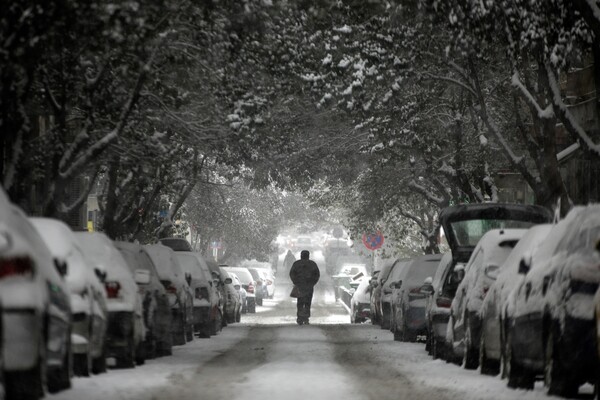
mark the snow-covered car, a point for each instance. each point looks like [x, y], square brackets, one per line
[237, 284]
[408, 300]
[36, 310]
[304, 243]
[480, 273]
[465, 224]
[387, 291]
[207, 316]
[179, 293]
[492, 315]
[360, 302]
[437, 308]
[219, 285]
[379, 277]
[261, 292]
[157, 309]
[87, 293]
[126, 328]
[232, 309]
[248, 284]
[270, 279]
[552, 311]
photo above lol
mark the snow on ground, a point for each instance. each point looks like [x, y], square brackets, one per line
[126, 384]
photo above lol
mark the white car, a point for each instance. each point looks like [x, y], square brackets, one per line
[360, 303]
[237, 284]
[35, 303]
[551, 310]
[206, 301]
[88, 296]
[178, 290]
[248, 284]
[493, 308]
[126, 330]
[481, 271]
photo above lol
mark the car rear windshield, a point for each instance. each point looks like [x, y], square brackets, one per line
[177, 244]
[468, 232]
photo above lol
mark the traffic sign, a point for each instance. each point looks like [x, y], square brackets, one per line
[373, 241]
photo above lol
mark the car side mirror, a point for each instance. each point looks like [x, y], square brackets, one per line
[100, 274]
[228, 281]
[142, 277]
[524, 267]
[61, 267]
[397, 285]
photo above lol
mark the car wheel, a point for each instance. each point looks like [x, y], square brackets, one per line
[470, 356]
[557, 378]
[385, 320]
[217, 324]
[252, 308]
[31, 384]
[428, 343]
[140, 355]
[82, 364]
[518, 378]
[189, 332]
[398, 336]
[436, 348]
[488, 367]
[60, 378]
[238, 316]
[179, 333]
[99, 363]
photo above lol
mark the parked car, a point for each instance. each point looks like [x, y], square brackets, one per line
[379, 277]
[233, 301]
[36, 312]
[437, 308]
[261, 291]
[385, 299]
[408, 300]
[270, 279]
[237, 284]
[248, 284]
[207, 317]
[360, 304]
[492, 310]
[157, 310]
[179, 293]
[465, 224]
[552, 312]
[219, 285]
[87, 295]
[126, 328]
[480, 273]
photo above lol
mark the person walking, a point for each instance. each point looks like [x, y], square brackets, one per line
[304, 275]
[288, 261]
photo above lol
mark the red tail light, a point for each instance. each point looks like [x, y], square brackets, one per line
[20, 266]
[443, 302]
[415, 290]
[171, 289]
[250, 288]
[112, 289]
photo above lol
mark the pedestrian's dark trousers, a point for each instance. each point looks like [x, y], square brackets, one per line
[304, 303]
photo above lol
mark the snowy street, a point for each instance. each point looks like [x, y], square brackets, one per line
[271, 357]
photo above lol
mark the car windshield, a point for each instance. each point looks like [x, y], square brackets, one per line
[468, 232]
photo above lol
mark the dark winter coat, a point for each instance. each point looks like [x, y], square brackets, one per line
[305, 274]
